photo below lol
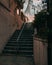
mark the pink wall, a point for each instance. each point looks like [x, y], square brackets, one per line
[40, 51]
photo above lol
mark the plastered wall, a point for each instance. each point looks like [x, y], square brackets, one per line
[7, 26]
[40, 51]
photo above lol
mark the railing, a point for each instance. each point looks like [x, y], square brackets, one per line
[21, 32]
[4, 7]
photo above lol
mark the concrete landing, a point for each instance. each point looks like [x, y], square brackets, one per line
[16, 60]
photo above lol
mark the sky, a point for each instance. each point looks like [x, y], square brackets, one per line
[32, 7]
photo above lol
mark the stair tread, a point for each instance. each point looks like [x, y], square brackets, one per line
[25, 51]
[27, 55]
[10, 50]
[21, 41]
[17, 46]
[26, 40]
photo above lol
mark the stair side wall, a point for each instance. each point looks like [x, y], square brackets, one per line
[7, 26]
[40, 52]
[5, 3]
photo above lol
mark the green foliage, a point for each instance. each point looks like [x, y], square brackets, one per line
[19, 3]
[41, 24]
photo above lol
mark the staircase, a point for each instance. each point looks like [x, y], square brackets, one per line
[11, 46]
[23, 46]
[26, 41]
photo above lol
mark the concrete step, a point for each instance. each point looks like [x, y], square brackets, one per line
[24, 45]
[28, 51]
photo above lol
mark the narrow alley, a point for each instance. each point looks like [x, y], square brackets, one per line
[25, 27]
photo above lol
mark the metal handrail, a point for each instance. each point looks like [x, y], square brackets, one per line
[4, 7]
[21, 32]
